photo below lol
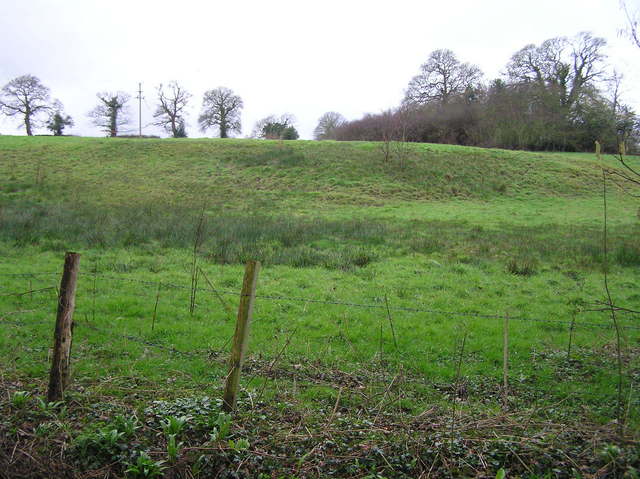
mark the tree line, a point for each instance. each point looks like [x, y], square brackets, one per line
[557, 95]
[29, 99]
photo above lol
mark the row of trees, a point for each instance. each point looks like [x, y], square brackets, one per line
[554, 96]
[27, 97]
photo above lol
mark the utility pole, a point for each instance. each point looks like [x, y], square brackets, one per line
[139, 97]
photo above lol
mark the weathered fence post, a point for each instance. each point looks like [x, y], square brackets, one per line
[241, 336]
[59, 375]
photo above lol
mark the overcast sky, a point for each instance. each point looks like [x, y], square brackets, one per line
[300, 57]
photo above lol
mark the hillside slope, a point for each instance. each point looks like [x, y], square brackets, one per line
[304, 203]
[236, 173]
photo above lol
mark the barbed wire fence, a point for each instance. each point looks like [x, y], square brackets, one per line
[333, 302]
[40, 300]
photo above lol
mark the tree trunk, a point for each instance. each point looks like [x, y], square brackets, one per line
[223, 129]
[27, 123]
[113, 123]
[174, 128]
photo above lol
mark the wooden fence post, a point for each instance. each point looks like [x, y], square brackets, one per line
[241, 336]
[59, 375]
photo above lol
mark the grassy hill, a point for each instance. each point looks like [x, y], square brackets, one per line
[263, 198]
[244, 174]
[376, 348]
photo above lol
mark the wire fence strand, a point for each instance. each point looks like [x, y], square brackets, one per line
[350, 304]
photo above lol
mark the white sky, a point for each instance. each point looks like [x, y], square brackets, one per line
[301, 57]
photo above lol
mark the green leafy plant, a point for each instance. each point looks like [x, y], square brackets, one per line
[173, 448]
[145, 467]
[45, 428]
[239, 445]
[173, 425]
[99, 447]
[53, 408]
[610, 452]
[501, 474]
[126, 425]
[221, 428]
[19, 399]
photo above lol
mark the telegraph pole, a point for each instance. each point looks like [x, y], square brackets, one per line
[139, 97]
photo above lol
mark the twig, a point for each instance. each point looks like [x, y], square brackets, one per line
[393, 332]
[456, 386]
[194, 271]
[277, 358]
[155, 307]
[573, 322]
[608, 291]
[226, 307]
[335, 409]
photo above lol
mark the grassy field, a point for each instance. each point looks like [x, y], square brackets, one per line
[376, 348]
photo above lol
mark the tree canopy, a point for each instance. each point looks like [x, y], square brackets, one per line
[110, 114]
[58, 120]
[441, 77]
[276, 128]
[556, 95]
[328, 123]
[26, 96]
[221, 110]
[169, 114]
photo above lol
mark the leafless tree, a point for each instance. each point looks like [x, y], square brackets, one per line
[560, 66]
[170, 111]
[221, 109]
[110, 114]
[633, 18]
[27, 96]
[394, 126]
[327, 126]
[442, 77]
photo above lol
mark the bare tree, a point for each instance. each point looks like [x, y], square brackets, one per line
[27, 96]
[110, 114]
[327, 126]
[441, 78]
[633, 18]
[221, 109]
[170, 110]
[560, 66]
[394, 126]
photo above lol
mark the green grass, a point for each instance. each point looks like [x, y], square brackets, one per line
[459, 234]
